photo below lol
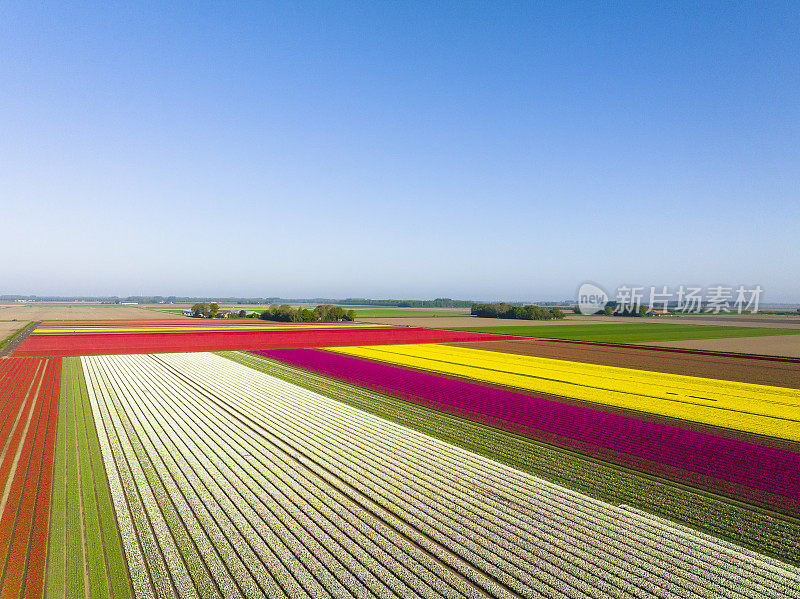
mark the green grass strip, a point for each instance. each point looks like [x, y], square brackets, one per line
[630, 332]
[751, 527]
[95, 554]
[57, 546]
[80, 478]
[115, 558]
[75, 553]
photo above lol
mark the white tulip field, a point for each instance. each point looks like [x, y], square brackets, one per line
[229, 482]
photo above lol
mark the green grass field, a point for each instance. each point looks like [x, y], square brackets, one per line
[630, 333]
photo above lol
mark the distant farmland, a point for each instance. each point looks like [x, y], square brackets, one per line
[401, 313]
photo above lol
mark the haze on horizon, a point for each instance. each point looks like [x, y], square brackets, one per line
[506, 151]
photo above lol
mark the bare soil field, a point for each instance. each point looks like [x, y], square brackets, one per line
[731, 369]
[758, 319]
[783, 345]
[101, 312]
[459, 310]
[8, 328]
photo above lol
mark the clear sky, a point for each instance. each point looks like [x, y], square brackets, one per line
[487, 150]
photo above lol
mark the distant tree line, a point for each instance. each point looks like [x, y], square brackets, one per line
[322, 313]
[503, 310]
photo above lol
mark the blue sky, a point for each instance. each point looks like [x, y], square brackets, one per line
[472, 150]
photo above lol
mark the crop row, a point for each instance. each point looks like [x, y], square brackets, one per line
[322, 499]
[251, 520]
[757, 474]
[29, 398]
[211, 340]
[751, 527]
[759, 409]
[370, 444]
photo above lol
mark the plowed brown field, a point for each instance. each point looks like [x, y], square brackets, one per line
[774, 345]
[100, 312]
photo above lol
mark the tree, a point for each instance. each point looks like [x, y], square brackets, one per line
[201, 310]
[529, 312]
[609, 311]
[213, 309]
[643, 310]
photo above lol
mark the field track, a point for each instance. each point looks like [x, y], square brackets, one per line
[760, 372]
[135, 343]
[754, 473]
[29, 391]
[233, 482]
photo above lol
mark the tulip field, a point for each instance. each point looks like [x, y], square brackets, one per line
[76, 339]
[230, 481]
[742, 469]
[170, 459]
[758, 409]
[29, 395]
